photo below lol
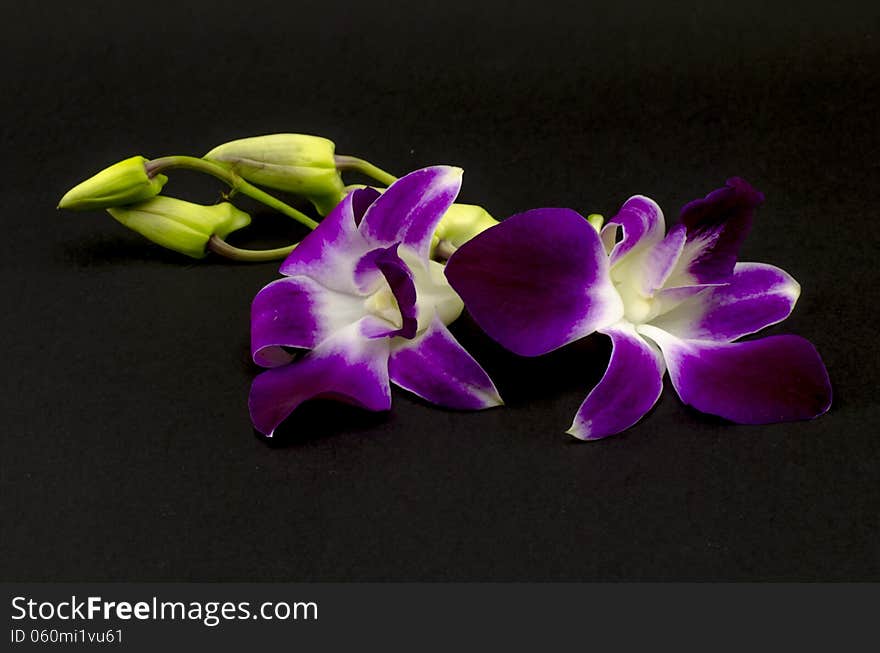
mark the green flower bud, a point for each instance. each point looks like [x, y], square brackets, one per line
[596, 220]
[182, 226]
[122, 183]
[460, 223]
[296, 163]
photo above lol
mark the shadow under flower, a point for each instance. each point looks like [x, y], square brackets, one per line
[318, 419]
[105, 251]
[575, 368]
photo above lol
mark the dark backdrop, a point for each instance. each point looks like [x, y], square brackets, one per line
[127, 452]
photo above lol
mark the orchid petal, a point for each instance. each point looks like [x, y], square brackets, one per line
[345, 366]
[536, 281]
[660, 261]
[361, 200]
[608, 236]
[400, 280]
[630, 387]
[756, 296]
[330, 253]
[667, 299]
[378, 326]
[438, 369]
[774, 379]
[642, 223]
[297, 312]
[716, 227]
[410, 209]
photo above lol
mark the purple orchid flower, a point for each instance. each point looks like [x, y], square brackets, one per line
[547, 277]
[361, 294]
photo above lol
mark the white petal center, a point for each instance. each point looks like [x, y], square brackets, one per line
[383, 304]
[434, 295]
[626, 275]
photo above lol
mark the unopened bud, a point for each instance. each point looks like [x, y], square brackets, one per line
[596, 220]
[126, 182]
[460, 223]
[182, 226]
[296, 163]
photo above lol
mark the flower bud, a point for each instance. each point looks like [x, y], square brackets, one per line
[122, 183]
[460, 223]
[296, 163]
[182, 226]
[596, 220]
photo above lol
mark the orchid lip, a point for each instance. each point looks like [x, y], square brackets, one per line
[383, 304]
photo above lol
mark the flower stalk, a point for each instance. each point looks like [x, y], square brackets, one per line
[224, 249]
[233, 180]
[345, 162]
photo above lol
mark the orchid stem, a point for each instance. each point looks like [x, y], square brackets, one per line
[235, 182]
[344, 162]
[224, 249]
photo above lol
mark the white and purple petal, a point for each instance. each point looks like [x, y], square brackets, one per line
[774, 379]
[331, 252]
[346, 367]
[438, 369]
[756, 296]
[410, 209]
[716, 227]
[642, 223]
[297, 312]
[660, 260]
[536, 281]
[667, 299]
[628, 390]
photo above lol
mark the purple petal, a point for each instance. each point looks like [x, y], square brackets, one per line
[631, 386]
[775, 379]
[297, 312]
[642, 223]
[361, 199]
[438, 369]
[756, 296]
[330, 253]
[536, 281]
[410, 209]
[716, 227]
[346, 366]
[399, 277]
[400, 280]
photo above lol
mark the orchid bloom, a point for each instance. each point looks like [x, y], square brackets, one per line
[362, 296]
[675, 302]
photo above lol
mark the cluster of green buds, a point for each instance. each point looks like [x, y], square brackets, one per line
[303, 165]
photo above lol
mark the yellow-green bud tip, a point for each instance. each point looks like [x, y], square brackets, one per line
[126, 182]
[461, 223]
[596, 220]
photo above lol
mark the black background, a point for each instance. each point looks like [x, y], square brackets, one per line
[127, 452]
